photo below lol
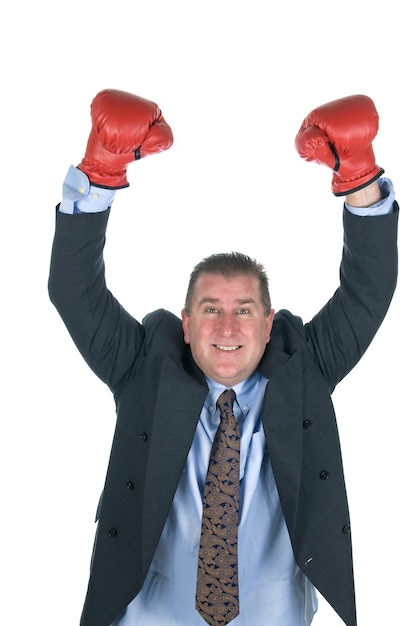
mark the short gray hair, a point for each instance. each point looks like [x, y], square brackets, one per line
[230, 264]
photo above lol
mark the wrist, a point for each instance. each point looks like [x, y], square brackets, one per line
[365, 197]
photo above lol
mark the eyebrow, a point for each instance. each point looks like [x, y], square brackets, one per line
[239, 301]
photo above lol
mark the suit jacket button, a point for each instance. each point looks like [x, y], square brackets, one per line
[324, 475]
[143, 436]
[129, 484]
[307, 424]
[112, 532]
[346, 529]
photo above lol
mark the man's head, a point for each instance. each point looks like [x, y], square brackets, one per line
[227, 318]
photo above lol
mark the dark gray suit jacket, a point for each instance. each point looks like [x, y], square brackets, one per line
[150, 371]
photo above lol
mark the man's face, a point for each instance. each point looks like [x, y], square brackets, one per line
[227, 328]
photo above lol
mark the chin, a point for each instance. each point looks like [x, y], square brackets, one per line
[228, 378]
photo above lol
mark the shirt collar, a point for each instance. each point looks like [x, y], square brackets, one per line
[245, 393]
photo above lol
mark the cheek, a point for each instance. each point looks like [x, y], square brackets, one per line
[262, 338]
[192, 332]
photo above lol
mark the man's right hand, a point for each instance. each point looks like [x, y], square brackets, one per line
[125, 128]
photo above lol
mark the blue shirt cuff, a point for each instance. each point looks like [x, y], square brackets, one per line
[79, 196]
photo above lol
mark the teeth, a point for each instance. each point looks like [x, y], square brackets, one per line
[227, 348]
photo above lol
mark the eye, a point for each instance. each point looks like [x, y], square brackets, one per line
[243, 311]
[211, 310]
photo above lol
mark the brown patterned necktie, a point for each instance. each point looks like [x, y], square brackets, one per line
[217, 591]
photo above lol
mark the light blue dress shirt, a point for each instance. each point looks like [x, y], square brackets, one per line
[273, 590]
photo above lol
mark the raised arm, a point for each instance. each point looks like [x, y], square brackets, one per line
[339, 135]
[125, 128]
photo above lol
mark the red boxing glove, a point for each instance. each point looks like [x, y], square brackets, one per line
[125, 128]
[340, 134]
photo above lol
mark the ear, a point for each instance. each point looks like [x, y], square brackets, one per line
[269, 324]
[185, 326]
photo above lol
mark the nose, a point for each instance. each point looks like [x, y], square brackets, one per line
[228, 325]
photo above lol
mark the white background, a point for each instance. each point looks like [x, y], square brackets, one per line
[234, 80]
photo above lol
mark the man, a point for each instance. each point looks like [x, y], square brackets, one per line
[278, 432]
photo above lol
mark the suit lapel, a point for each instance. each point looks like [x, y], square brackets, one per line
[282, 417]
[179, 403]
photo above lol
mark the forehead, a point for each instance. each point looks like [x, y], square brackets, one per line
[240, 288]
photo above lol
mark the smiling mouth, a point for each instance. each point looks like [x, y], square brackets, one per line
[226, 348]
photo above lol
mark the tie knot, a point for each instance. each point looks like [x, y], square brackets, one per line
[225, 401]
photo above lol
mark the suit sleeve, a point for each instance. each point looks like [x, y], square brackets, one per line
[108, 338]
[344, 328]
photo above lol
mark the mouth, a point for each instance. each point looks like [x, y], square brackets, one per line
[226, 348]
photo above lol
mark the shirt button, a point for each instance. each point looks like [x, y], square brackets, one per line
[245, 407]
